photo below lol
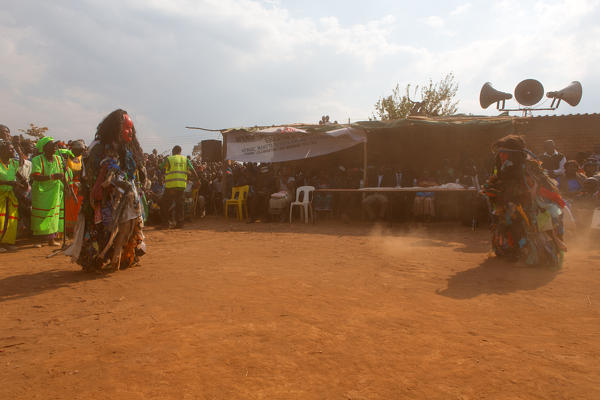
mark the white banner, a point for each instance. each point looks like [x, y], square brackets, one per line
[287, 143]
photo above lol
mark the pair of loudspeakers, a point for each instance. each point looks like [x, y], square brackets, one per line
[211, 150]
[530, 92]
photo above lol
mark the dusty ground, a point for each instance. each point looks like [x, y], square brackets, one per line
[272, 311]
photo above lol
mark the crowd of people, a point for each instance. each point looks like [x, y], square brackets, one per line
[102, 194]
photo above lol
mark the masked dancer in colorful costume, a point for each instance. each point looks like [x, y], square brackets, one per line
[108, 233]
[526, 207]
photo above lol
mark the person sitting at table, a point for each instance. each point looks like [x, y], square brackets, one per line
[424, 203]
[261, 187]
[322, 201]
[408, 176]
[286, 189]
[375, 205]
[446, 174]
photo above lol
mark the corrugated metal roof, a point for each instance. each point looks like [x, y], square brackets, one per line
[593, 115]
[445, 120]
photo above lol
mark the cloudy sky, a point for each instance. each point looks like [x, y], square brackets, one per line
[225, 63]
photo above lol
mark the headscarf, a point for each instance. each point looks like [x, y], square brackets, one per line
[43, 142]
[77, 144]
[66, 153]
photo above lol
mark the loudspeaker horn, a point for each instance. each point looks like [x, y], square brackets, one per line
[489, 95]
[529, 92]
[571, 94]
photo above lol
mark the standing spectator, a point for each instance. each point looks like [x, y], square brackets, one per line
[5, 133]
[177, 168]
[9, 207]
[73, 203]
[553, 161]
[47, 192]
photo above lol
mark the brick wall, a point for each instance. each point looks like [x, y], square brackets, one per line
[571, 133]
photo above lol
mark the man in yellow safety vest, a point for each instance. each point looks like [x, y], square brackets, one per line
[177, 168]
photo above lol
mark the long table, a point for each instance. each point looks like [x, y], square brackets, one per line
[397, 190]
[368, 190]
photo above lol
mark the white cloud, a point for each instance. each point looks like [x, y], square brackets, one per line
[434, 21]
[228, 63]
[461, 9]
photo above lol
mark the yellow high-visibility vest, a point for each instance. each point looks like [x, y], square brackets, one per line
[176, 173]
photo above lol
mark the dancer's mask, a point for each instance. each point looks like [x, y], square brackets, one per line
[127, 129]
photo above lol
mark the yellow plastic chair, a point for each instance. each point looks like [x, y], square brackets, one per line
[239, 198]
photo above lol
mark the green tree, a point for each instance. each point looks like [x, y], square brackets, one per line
[437, 99]
[35, 131]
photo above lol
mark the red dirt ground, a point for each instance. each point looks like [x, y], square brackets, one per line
[227, 310]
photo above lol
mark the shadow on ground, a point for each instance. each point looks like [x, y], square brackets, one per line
[496, 276]
[25, 285]
[435, 234]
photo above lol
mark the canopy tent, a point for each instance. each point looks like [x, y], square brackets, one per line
[417, 141]
[288, 143]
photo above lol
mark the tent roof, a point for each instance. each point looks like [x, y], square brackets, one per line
[457, 120]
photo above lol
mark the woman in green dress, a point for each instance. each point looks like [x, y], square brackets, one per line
[47, 214]
[9, 206]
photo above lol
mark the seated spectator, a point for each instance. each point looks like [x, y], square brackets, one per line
[322, 201]
[262, 184]
[424, 203]
[446, 174]
[595, 156]
[590, 168]
[387, 177]
[552, 161]
[279, 202]
[409, 177]
[571, 182]
[375, 206]
[591, 188]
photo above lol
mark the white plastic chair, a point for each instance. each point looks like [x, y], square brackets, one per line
[304, 196]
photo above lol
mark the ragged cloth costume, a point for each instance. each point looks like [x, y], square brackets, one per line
[526, 208]
[109, 227]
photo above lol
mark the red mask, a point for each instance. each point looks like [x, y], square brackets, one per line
[127, 129]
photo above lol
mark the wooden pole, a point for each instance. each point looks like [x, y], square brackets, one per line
[224, 170]
[365, 163]
[365, 182]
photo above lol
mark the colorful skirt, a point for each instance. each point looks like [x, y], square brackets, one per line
[9, 217]
[72, 206]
